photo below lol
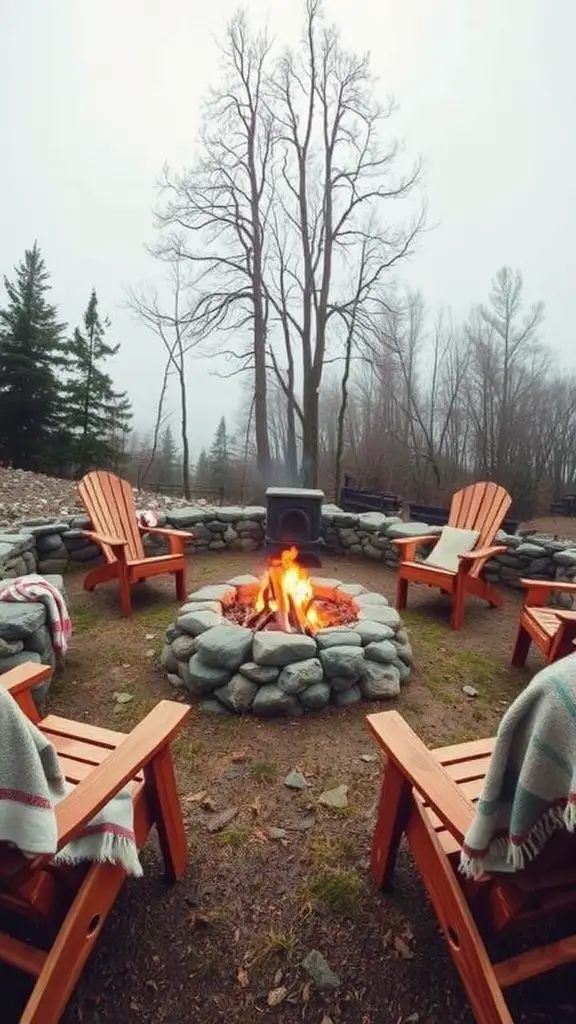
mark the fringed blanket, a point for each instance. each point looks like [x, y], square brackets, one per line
[32, 783]
[530, 787]
[36, 588]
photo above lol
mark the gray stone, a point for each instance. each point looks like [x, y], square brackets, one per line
[315, 697]
[337, 637]
[345, 698]
[175, 681]
[183, 517]
[270, 701]
[260, 673]
[205, 678]
[225, 646]
[325, 582]
[404, 670]
[219, 821]
[405, 652]
[343, 519]
[238, 694]
[201, 532]
[171, 633]
[183, 647]
[217, 545]
[248, 544]
[383, 651]
[352, 589]
[340, 683]
[16, 543]
[18, 621]
[529, 550]
[295, 780]
[201, 606]
[216, 592]
[86, 553]
[470, 691]
[230, 535]
[168, 659]
[277, 648]
[8, 648]
[301, 674]
[567, 557]
[44, 530]
[40, 641]
[371, 552]
[196, 623]
[372, 632]
[337, 797]
[216, 528]
[212, 707]
[372, 521]
[242, 581]
[345, 662]
[19, 659]
[379, 613]
[398, 530]
[276, 833]
[81, 523]
[49, 543]
[370, 599]
[320, 971]
[380, 681]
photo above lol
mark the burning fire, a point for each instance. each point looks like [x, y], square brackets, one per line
[286, 596]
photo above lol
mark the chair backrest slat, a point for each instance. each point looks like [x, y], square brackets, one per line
[481, 507]
[110, 504]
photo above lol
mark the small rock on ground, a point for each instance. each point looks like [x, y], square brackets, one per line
[219, 821]
[337, 797]
[295, 780]
[320, 971]
[470, 691]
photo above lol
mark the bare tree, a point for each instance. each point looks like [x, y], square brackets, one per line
[214, 213]
[177, 330]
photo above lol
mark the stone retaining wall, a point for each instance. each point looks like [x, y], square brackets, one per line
[55, 547]
[24, 636]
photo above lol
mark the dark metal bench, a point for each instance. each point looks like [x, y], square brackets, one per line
[353, 499]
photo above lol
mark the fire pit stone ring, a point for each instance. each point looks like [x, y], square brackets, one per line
[236, 668]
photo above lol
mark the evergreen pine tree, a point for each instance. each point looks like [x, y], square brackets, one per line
[97, 416]
[202, 471]
[32, 350]
[220, 457]
[168, 457]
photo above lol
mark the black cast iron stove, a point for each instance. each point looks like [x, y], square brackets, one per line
[294, 517]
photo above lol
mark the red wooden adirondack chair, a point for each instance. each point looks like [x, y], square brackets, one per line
[74, 902]
[553, 630]
[428, 796]
[109, 502]
[480, 507]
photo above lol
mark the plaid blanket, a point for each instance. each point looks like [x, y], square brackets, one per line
[36, 588]
[32, 783]
[530, 787]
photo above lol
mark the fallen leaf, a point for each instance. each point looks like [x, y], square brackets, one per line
[152, 984]
[402, 948]
[199, 920]
[195, 798]
[306, 992]
[134, 1006]
[236, 935]
[412, 1019]
[238, 756]
[260, 835]
[150, 636]
[243, 977]
[326, 1019]
[277, 995]
[256, 807]
[278, 976]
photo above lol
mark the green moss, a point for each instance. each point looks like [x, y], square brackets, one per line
[339, 889]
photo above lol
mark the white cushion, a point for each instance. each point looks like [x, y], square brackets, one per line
[452, 542]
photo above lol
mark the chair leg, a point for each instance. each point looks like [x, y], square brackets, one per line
[401, 593]
[181, 588]
[462, 936]
[521, 647]
[167, 813]
[73, 944]
[457, 612]
[125, 595]
[393, 810]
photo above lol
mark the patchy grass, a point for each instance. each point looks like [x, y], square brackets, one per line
[263, 771]
[234, 836]
[86, 618]
[340, 889]
[327, 850]
[273, 943]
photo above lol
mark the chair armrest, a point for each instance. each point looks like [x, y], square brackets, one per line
[419, 766]
[100, 538]
[138, 749]
[485, 553]
[409, 545]
[22, 678]
[176, 538]
[547, 585]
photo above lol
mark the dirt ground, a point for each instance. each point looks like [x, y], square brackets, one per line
[560, 526]
[250, 908]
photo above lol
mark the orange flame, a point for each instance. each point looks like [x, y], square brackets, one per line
[286, 587]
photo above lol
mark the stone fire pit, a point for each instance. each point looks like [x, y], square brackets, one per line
[233, 669]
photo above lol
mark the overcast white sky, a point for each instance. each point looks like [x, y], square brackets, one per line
[97, 94]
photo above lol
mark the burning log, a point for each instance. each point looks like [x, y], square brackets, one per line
[259, 619]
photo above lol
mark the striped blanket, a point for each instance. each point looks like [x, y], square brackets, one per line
[36, 588]
[32, 783]
[530, 788]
